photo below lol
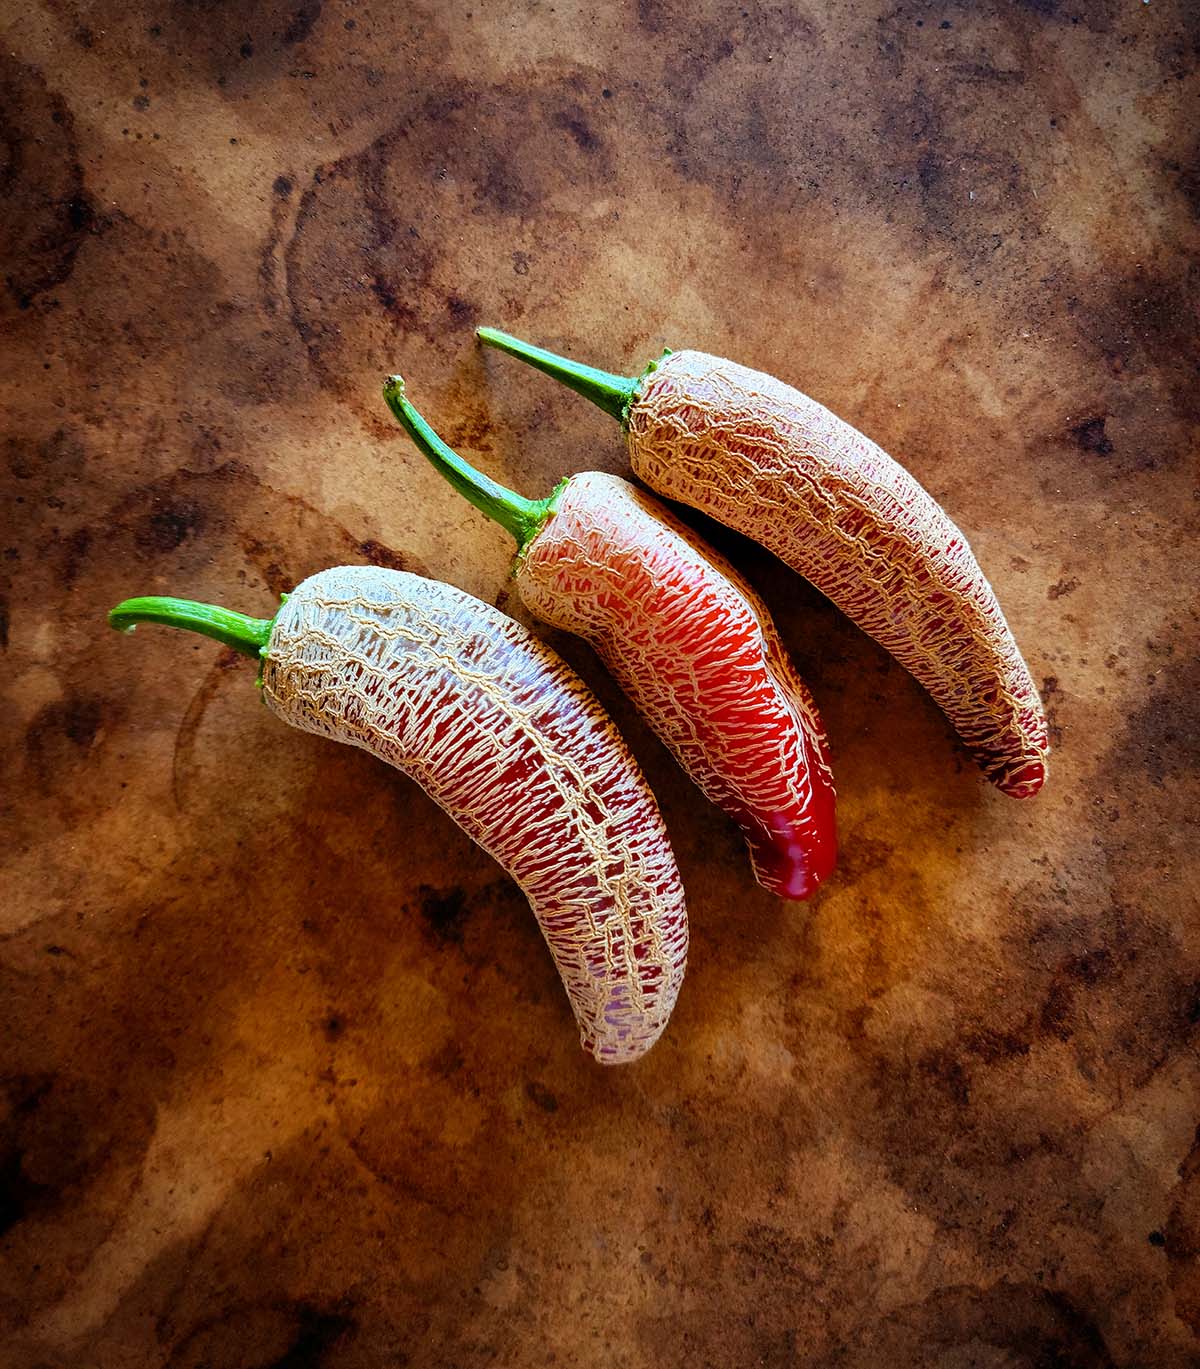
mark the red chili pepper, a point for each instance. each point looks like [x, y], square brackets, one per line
[510, 742]
[687, 639]
[765, 459]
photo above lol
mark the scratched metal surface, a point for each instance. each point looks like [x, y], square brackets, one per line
[288, 1079]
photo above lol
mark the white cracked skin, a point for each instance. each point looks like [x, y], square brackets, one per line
[772, 463]
[505, 737]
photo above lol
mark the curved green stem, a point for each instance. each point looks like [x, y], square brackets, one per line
[247, 635]
[522, 517]
[612, 393]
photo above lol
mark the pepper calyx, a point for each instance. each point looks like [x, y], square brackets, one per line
[636, 393]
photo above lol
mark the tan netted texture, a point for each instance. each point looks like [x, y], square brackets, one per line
[765, 459]
[695, 649]
[510, 742]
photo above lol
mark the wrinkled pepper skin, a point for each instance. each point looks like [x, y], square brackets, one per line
[693, 646]
[503, 735]
[687, 639]
[768, 461]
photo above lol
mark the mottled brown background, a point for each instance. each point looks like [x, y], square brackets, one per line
[288, 1080]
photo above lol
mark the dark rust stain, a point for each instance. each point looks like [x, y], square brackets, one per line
[300, 25]
[163, 529]
[541, 1095]
[1032, 1325]
[73, 550]
[1131, 321]
[462, 312]
[376, 554]
[1099, 17]
[1181, 1239]
[294, 1335]
[54, 1137]
[1076, 975]
[1161, 739]
[61, 733]
[46, 213]
[576, 125]
[233, 47]
[19, 1192]
[284, 537]
[1091, 437]
[445, 911]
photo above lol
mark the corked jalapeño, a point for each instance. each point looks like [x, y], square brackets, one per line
[505, 737]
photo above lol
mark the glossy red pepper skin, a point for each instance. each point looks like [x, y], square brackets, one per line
[694, 647]
[688, 640]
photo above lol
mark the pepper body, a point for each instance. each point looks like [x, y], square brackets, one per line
[695, 649]
[768, 461]
[503, 735]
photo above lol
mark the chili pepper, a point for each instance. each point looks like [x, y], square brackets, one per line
[502, 734]
[763, 458]
[687, 639]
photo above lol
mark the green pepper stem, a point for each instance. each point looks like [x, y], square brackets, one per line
[247, 635]
[609, 392]
[521, 517]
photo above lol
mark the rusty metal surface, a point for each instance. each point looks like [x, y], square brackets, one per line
[287, 1077]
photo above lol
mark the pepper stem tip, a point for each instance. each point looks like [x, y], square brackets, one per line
[519, 516]
[247, 635]
[612, 393]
